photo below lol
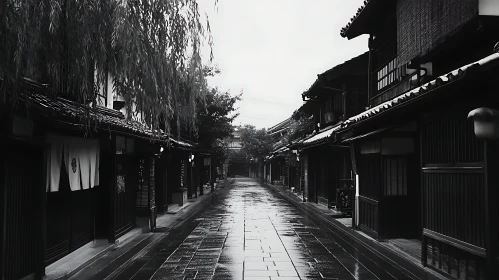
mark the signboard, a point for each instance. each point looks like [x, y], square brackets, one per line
[344, 199]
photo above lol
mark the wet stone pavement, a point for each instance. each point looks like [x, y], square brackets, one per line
[250, 232]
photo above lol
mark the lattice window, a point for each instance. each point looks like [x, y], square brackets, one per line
[389, 74]
[394, 176]
[370, 173]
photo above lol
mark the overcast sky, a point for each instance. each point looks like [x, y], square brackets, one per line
[273, 50]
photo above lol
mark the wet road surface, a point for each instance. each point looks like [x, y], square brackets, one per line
[248, 231]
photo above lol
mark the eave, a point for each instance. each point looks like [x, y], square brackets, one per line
[424, 91]
[356, 66]
[362, 22]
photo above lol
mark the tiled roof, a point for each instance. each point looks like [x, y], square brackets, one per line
[36, 94]
[180, 143]
[354, 66]
[359, 11]
[104, 117]
[279, 127]
[281, 150]
[419, 91]
[321, 135]
[278, 153]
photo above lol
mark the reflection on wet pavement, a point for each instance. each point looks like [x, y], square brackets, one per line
[253, 234]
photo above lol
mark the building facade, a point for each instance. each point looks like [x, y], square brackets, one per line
[421, 172]
[73, 173]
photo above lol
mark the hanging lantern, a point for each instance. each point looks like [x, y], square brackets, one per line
[486, 123]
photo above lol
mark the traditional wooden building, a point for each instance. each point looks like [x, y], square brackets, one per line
[278, 168]
[421, 174]
[337, 94]
[65, 183]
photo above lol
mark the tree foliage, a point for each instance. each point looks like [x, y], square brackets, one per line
[256, 143]
[151, 50]
[302, 124]
[214, 120]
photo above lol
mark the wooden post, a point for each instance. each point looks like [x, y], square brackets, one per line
[152, 193]
[491, 183]
[202, 175]
[370, 85]
[3, 207]
[353, 156]
[112, 192]
[424, 240]
[344, 102]
[188, 175]
[42, 219]
[213, 173]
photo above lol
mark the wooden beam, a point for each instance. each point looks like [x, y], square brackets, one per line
[112, 191]
[491, 183]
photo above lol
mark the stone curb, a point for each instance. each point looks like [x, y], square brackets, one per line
[414, 270]
[122, 241]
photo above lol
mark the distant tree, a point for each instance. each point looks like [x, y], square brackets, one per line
[256, 143]
[215, 119]
[151, 50]
[302, 124]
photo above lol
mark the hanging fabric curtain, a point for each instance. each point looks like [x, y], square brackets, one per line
[54, 161]
[81, 161]
[72, 150]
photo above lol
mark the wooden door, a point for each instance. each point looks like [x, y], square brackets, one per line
[21, 194]
[70, 219]
[399, 197]
[125, 195]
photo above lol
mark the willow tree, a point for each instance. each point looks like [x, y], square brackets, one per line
[150, 49]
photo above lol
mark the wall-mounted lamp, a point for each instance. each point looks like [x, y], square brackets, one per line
[161, 149]
[486, 122]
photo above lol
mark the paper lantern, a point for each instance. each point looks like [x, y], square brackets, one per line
[486, 123]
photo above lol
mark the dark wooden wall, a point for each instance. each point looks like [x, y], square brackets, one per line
[422, 24]
[162, 184]
[369, 190]
[22, 188]
[453, 182]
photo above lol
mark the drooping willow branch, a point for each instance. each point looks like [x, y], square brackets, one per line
[150, 48]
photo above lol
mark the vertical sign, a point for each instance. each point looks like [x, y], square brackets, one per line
[152, 184]
[182, 173]
[354, 158]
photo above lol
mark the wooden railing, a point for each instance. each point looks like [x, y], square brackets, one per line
[369, 215]
[452, 257]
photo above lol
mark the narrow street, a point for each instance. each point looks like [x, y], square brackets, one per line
[248, 231]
